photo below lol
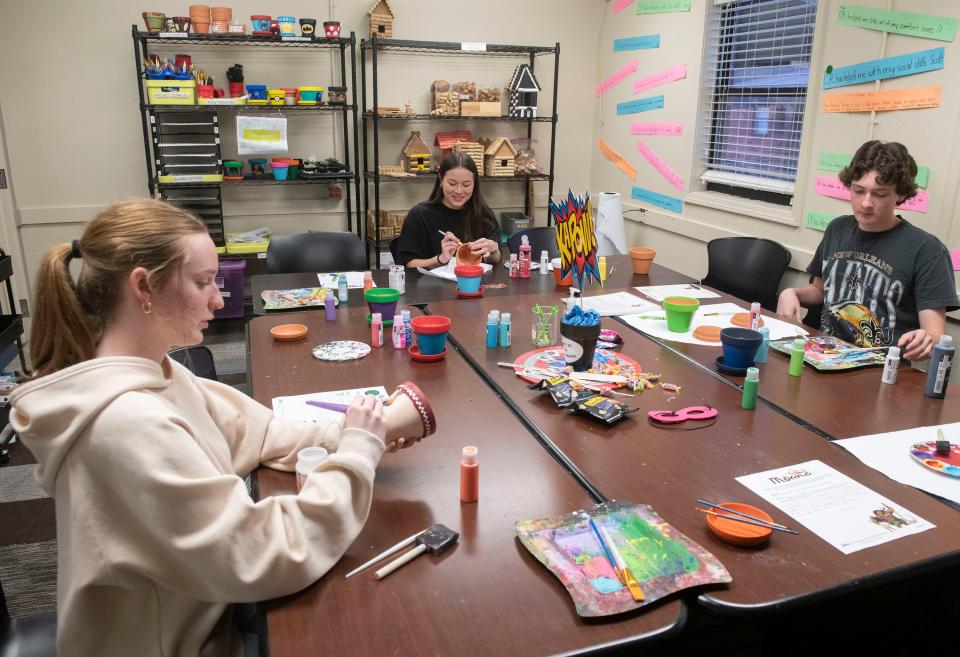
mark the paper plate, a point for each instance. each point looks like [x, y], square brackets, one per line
[341, 350]
[554, 358]
[288, 332]
[926, 455]
[739, 533]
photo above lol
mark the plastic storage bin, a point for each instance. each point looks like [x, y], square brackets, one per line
[172, 92]
[230, 282]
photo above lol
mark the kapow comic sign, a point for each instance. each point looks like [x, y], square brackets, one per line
[576, 239]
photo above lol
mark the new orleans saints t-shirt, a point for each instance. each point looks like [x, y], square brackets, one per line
[875, 283]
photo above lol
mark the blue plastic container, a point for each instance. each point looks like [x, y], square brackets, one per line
[739, 347]
[257, 91]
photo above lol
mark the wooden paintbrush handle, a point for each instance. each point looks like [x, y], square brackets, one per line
[402, 560]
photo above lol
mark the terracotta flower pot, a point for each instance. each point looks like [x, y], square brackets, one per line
[153, 20]
[408, 414]
[641, 258]
[466, 257]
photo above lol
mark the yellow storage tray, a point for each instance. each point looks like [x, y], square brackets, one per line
[246, 247]
[172, 92]
[191, 178]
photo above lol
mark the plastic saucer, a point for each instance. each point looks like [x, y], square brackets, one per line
[736, 371]
[414, 351]
[739, 533]
[469, 295]
[288, 332]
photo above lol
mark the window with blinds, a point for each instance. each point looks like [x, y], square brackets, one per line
[757, 62]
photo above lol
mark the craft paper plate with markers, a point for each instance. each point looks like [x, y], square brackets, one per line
[926, 455]
[830, 354]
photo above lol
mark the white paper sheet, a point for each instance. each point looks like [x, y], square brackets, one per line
[616, 303]
[354, 280]
[296, 406]
[649, 323]
[843, 512]
[661, 292]
[890, 454]
[446, 271]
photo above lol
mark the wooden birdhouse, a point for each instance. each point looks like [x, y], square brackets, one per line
[474, 150]
[445, 141]
[416, 154]
[523, 92]
[500, 158]
[381, 19]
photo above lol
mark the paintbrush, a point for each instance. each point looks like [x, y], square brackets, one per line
[739, 513]
[746, 522]
[455, 237]
[386, 553]
[625, 573]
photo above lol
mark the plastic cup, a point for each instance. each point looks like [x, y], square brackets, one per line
[679, 311]
[641, 258]
[739, 346]
[468, 278]
[579, 344]
[382, 300]
[431, 332]
[567, 280]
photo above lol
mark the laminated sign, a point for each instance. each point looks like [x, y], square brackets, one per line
[260, 134]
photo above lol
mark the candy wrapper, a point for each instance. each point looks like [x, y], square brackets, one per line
[602, 409]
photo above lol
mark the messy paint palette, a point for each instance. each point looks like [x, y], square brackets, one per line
[926, 454]
[298, 298]
[829, 354]
[661, 558]
[605, 361]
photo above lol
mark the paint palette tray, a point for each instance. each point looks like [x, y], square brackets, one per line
[829, 354]
[926, 455]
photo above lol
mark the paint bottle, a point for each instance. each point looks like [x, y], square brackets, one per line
[328, 306]
[755, 316]
[407, 327]
[367, 280]
[399, 335]
[796, 357]
[469, 475]
[764, 348]
[544, 261]
[376, 330]
[308, 459]
[514, 266]
[602, 266]
[750, 385]
[398, 278]
[342, 288]
[493, 320]
[939, 374]
[890, 365]
[505, 329]
[525, 256]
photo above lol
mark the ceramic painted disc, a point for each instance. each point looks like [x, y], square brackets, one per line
[707, 333]
[926, 454]
[555, 358]
[341, 350]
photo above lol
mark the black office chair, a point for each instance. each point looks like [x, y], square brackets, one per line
[747, 267]
[34, 635]
[541, 239]
[316, 252]
[198, 359]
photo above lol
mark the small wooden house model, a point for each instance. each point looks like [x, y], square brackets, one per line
[474, 150]
[499, 158]
[381, 19]
[445, 141]
[523, 92]
[416, 154]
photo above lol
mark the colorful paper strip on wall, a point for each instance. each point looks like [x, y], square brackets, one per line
[636, 43]
[620, 5]
[617, 159]
[924, 26]
[661, 558]
[617, 77]
[884, 69]
[955, 259]
[662, 167]
[659, 128]
[663, 77]
[660, 200]
[576, 237]
[818, 220]
[662, 6]
[834, 189]
[640, 105]
[837, 161]
[883, 101]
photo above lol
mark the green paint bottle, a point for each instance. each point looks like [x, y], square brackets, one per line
[750, 385]
[796, 357]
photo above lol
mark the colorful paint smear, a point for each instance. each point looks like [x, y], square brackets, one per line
[659, 200]
[924, 26]
[662, 167]
[883, 101]
[617, 77]
[640, 105]
[833, 188]
[661, 558]
[678, 72]
[576, 237]
[837, 161]
[660, 128]
[636, 43]
[884, 69]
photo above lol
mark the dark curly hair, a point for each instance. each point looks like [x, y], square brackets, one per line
[893, 164]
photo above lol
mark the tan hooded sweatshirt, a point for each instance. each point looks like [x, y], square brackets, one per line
[156, 533]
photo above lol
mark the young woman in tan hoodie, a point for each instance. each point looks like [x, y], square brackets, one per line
[155, 530]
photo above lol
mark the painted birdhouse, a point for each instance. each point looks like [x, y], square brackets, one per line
[445, 141]
[474, 150]
[500, 158]
[523, 92]
[381, 19]
[416, 154]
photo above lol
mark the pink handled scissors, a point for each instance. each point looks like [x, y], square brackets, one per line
[684, 414]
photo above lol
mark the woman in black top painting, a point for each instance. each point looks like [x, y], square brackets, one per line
[456, 213]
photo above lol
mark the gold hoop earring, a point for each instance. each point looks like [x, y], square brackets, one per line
[147, 307]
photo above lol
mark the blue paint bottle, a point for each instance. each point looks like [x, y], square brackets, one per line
[764, 347]
[505, 329]
[493, 320]
[407, 326]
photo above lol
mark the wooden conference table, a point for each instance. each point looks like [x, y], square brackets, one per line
[487, 595]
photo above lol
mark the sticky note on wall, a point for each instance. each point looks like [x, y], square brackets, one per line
[818, 220]
[955, 259]
[883, 101]
[925, 26]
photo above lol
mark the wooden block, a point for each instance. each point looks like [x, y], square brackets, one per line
[476, 108]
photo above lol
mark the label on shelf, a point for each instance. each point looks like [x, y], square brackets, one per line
[473, 47]
[262, 256]
[173, 35]
[295, 38]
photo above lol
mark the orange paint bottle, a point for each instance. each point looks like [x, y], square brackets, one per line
[469, 475]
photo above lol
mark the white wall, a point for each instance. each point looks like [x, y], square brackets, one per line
[930, 134]
[73, 131]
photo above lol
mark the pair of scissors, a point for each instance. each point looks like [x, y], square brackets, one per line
[684, 414]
